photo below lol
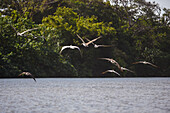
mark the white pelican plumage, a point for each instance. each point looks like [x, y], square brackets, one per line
[113, 62]
[111, 71]
[86, 44]
[70, 47]
[125, 69]
[145, 62]
[22, 33]
[97, 46]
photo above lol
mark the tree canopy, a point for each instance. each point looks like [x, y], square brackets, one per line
[135, 29]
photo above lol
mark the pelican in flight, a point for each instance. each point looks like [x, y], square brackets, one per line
[113, 62]
[144, 62]
[22, 34]
[111, 71]
[125, 69]
[71, 47]
[97, 46]
[27, 74]
[86, 44]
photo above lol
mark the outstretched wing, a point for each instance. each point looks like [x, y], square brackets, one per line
[137, 62]
[80, 38]
[28, 31]
[111, 71]
[152, 64]
[127, 70]
[78, 49]
[89, 40]
[113, 62]
[105, 72]
[105, 59]
[21, 74]
[117, 64]
[116, 72]
[105, 45]
[27, 74]
[33, 77]
[96, 46]
[64, 47]
[93, 40]
[144, 62]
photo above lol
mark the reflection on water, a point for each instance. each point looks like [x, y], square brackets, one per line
[82, 95]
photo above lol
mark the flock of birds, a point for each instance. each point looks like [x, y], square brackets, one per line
[86, 44]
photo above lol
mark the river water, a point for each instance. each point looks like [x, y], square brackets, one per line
[85, 95]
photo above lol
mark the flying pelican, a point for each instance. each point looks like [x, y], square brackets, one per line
[71, 47]
[27, 74]
[111, 71]
[144, 62]
[125, 69]
[86, 44]
[22, 34]
[97, 46]
[113, 62]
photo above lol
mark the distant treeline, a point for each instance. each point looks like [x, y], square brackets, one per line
[135, 28]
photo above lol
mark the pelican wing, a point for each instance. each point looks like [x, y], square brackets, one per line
[93, 40]
[118, 66]
[71, 47]
[80, 38]
[27, 74]
[33, 77]
[96, 46]
[105, 45]
[144, 62]
[21, 74]
[152, 64]
[64, 47]
[78, 49]
[28, 31]
[89, 40]
[111, 71]
[127, 70]
[113, 62]
[137, 62]
[105, 59]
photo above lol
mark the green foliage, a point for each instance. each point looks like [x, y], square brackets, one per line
[134, 28]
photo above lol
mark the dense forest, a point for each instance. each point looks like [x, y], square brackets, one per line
[135, 29]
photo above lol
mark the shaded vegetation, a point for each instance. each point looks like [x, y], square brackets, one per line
[135, 28]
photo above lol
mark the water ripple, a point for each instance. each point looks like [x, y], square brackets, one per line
[69, 95]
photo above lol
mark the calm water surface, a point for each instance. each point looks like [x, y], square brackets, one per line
[83, 95]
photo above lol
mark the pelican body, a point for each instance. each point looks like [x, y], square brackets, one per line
[111, 71]
[145, 62]
[27, 74]
[113, 62]
[70, 47]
